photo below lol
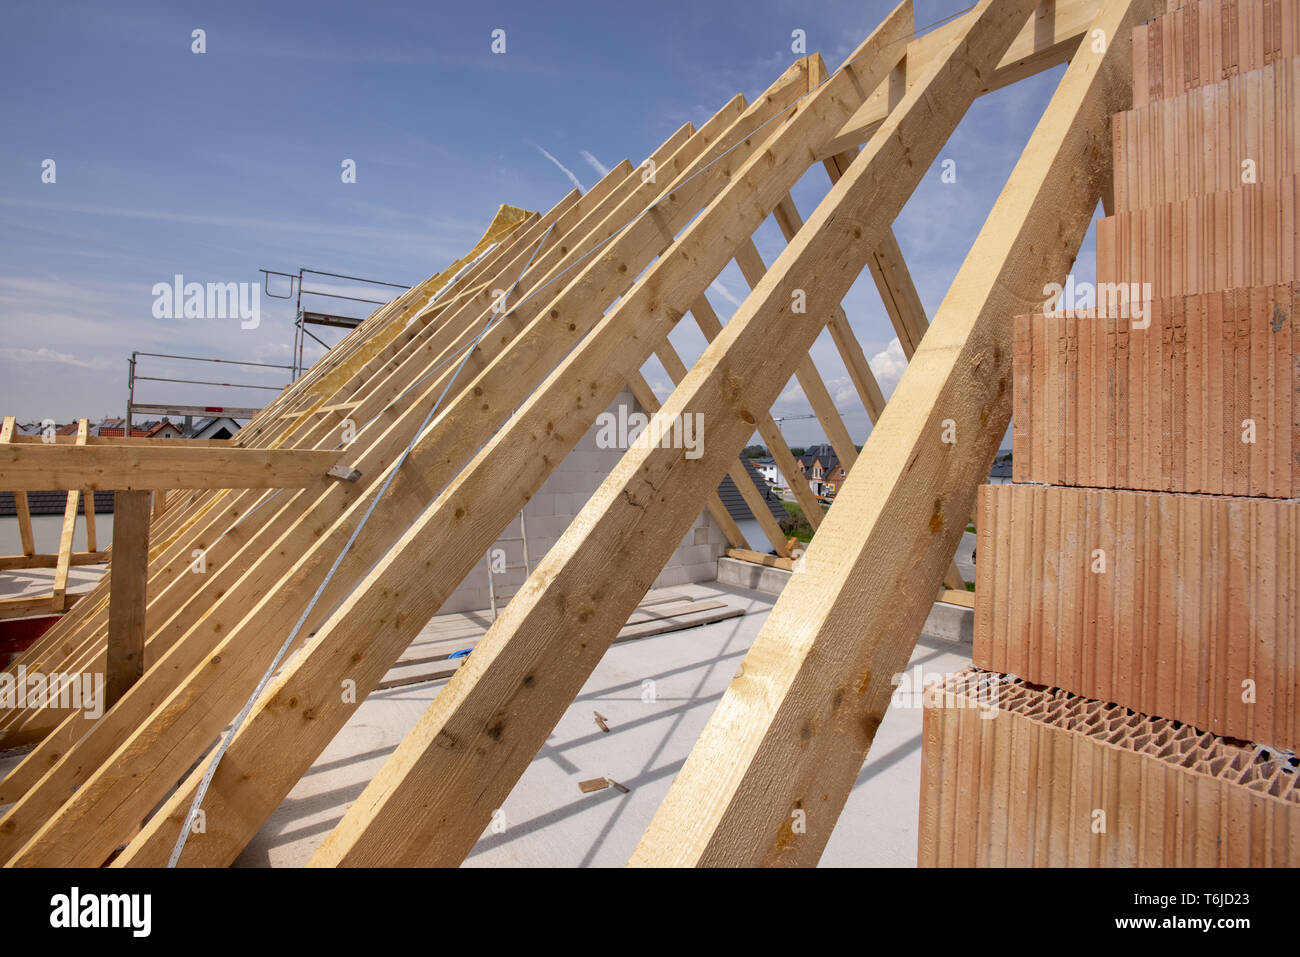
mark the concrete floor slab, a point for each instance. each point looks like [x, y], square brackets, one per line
[657, 694]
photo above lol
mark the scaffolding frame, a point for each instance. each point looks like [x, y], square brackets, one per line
[304, 317]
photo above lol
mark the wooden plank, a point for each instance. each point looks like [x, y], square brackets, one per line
[50, 559]
[64, 561]
[758, 558]
[961, 597]
[25, 606]
[811, 668]
[515, 462]
[897, 292]
[126, 618]
[1047, 40]
[516, 661]
[677, 617]
[20, 498]
[105, 441]
[133, 467]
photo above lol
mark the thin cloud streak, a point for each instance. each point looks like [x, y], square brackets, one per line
[563, 169]
[594, 163]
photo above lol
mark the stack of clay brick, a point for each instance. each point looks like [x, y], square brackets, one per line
[1135, 698]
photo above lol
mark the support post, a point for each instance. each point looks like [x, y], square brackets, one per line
[127, 593]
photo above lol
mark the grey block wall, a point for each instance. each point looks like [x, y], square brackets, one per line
[550, 511]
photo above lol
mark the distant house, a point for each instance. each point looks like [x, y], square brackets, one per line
[165, 430]
[218, 427]
[109, 428]
[771, 473]
[113, 429]
[822, 470]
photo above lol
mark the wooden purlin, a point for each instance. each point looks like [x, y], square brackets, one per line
[159, 467]
[130, 789]
[509, 694]
[791, 732]
[442, 543]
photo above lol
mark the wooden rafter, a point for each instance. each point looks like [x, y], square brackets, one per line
[735, 800]
[518, 458]
[506, 699]
[115, 791]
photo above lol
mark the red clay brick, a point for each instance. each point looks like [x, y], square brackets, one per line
[1018, 775]
[1164, 603]
[1169, 407]
[1225, 240]
[1199, 43]
[1251, 119]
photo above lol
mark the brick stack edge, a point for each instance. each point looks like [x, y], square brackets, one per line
[1135, 699]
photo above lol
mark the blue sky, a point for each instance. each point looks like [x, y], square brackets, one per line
[214, 165]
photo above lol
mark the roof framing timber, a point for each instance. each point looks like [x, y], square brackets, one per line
[597, 284]
[795, 725]
[508, 696]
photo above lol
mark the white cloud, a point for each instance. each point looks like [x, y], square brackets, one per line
[594, 163]
[563, 169]
[44, 354]
[888, 365]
